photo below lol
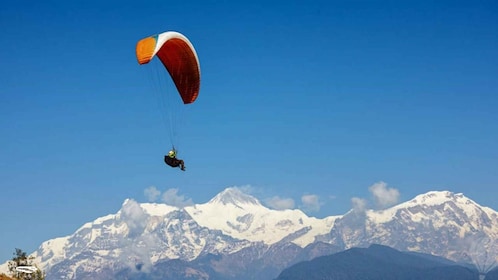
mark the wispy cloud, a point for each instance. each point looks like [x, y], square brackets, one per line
[280, 203]
[134, 217]
[311, 203]
[136, 220]
[152, 193]
[384, 196]
[172, 198]
[359, 205]
[248, 189]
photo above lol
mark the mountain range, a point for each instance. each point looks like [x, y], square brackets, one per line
[233, 236]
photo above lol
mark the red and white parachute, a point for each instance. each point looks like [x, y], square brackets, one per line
[178, 56]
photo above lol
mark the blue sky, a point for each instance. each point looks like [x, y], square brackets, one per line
[305, 103]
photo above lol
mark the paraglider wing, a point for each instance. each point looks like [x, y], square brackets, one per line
[178, 56]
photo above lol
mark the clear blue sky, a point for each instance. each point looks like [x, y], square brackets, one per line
[321, 98]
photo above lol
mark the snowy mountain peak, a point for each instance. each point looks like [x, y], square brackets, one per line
[437, 197]
[434, 198]
[243, 234]
[131, 206]
[126, 201]
[234, 196]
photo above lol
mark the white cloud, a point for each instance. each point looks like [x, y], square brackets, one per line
[279, 203]
[247, 189]
[172, 198]
[359, 204]
[384, 196]
[152, 193]
[134, 217]
[311, 203]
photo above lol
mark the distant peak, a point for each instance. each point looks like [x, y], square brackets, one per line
[437, 194]
[234, 196]
[126, 201]
[438, 197]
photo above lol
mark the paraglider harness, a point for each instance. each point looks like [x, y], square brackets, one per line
[171, 160]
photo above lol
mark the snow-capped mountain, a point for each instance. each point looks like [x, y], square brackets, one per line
[242, 216]
[438, 223]
[233, 236]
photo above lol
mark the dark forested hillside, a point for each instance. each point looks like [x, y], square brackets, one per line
[377, 262]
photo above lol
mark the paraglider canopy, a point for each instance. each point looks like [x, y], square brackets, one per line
[178, 56]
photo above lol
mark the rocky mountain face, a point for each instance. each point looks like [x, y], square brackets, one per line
[438, 223]
[233, 236]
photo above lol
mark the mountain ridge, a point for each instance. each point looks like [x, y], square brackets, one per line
[376, 262]
[243, 233]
